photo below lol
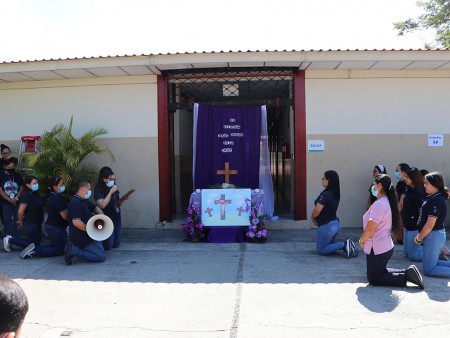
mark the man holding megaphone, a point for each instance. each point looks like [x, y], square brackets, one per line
[80, 209]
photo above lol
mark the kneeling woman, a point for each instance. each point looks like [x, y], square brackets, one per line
[324, 216]
[30, 216]
[431, 226]
[378, 222]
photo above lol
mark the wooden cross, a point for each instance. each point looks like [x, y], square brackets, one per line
[227, 172]
[208, 211]
[222, 203]
[240, 209]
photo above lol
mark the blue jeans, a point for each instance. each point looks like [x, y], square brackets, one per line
[326, 236]
[93, 252]
[58, 236]
[32, 235]
[10, 218]
[432, 246]
[412, 250]
[116, 237]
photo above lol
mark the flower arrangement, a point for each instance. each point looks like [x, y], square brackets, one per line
[193, 227]
[257, 231]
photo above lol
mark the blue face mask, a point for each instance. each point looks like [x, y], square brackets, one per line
[397, 175]
[35, 187]
[88, 194]
[373, 191]
[62, 189]
[110, 183]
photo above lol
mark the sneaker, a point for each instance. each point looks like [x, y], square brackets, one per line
[348, 248]
[28, 251]
[6, 243]
[354, 249]
[68, 254]
[413, 275]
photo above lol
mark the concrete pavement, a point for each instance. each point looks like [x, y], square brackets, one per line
[157, 285]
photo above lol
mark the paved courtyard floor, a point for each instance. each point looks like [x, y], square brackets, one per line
[158, 285]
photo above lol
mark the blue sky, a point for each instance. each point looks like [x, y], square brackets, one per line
[44, 29]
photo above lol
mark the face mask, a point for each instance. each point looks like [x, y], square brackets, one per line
[397, 175]
[35, 187]
[88, 194]
[110, 184]
[11, 171]
[62, 189]
[373, 191]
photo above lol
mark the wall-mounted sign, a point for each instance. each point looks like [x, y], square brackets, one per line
[316, 146]
[435, 140]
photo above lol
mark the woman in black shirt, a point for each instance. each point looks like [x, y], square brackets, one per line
[324, 216]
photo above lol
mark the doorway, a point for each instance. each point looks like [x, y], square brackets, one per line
[233, 87]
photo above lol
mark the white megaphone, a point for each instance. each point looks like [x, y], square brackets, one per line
[99, 227]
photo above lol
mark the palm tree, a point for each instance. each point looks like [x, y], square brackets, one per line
[63, 155]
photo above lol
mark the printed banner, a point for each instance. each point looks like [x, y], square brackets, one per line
[225, 207]
[227, 146]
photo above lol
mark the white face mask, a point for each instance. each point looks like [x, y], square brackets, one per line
[88, 194]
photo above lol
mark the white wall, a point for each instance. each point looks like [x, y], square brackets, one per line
[368, 118]
[126, 107]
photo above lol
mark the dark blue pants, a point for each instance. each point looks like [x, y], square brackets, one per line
[32, 235]
[9, 219]
[58, 236]
[116, 237]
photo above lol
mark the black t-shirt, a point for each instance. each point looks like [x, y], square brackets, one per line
[330, 206]
[56, 204]
[111, 210]
[33, 213]
[80, 209]
[434, 206]
[401, 189]
[10, 183]
[412, 203]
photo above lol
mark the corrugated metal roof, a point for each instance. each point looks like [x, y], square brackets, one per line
[232, 51]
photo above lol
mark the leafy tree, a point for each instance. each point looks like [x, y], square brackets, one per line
[436, 16]
[63, 155]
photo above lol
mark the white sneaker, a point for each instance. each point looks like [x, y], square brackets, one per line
[6, 244]
[28, 251]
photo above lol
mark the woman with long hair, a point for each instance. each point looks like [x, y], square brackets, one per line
[107, 197]
[377, 170]
[431, 226]
[414, 197]
[324, 216]
[30, 217]
[376, 241]
[401, 188]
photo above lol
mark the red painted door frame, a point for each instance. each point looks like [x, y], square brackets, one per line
[165, 162]
[300, 146]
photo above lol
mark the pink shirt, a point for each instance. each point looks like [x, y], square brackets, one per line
[380, 213]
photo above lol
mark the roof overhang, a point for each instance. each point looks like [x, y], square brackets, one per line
[134, 65]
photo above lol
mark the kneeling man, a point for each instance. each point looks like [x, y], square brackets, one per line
[80, 209]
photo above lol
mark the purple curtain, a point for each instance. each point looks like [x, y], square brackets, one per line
[227, 134]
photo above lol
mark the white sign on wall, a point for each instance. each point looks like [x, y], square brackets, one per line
[316, 146]
[435, 140]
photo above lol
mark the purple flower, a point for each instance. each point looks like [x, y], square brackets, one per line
[255, 221]
[259, 234]
[264, 233]
[250, 234]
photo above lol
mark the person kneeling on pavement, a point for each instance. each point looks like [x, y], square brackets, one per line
[80, 244]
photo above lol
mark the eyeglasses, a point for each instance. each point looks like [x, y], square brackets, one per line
[324, 178]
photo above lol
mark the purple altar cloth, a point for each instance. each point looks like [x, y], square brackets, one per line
[228, 234]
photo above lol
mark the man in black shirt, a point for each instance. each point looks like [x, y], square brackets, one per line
[80, 209]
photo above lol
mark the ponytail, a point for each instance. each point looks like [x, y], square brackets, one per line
[391, 194]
